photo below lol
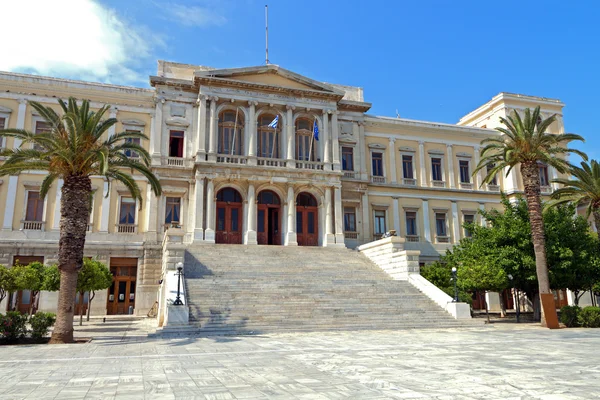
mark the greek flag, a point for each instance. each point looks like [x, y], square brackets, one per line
[316, 130]
[274, 123]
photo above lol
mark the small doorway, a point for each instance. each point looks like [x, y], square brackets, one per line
[307, 228]
[22, 300]
[121, 295]
[229, 217]
[269, 218]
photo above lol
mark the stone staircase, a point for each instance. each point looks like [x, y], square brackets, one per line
[237, 289]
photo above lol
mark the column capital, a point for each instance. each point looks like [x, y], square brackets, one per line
[214, 98]
[290, 107]
[159, 99]
[22, 101]
[392, 139]
[361, 123]
[325, 112]
[421, 142]
[477, 148]
[449, 146]
[252, 103]
[334, 112]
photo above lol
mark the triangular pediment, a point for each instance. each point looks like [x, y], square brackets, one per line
[271, 75]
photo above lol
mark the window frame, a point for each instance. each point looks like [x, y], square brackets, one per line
[306, 135]
[135, 215]
[446, 233]
[416, 224]
[5, 115]
[353, 214]
[546, 169]
[375, 218]
[351, 148]
[265, 130]
[183, 133]
[34, 121]
[462, 160]
[237, 129]
[442, 169]
[465, 232]
[382, 152]
[180, 204]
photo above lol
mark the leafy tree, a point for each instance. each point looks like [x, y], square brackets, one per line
[52, 279]
[6, 282]
[75, 149]
[440, 274]
[28, 277]
[94, 275]
[525, 142]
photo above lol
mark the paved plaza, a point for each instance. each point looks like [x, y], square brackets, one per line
[489, 362]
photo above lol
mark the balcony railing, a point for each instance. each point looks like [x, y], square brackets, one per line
[546, 189]
[466, 185]
[409, 181]
[172, 225]
[493, 188]
[270, 162]
[378, 179]
[377, 236]
[231, 159]
[350, 174]
[176, 162]
[439, 184]
[350, 235]
[442, 239]
[412, 238]
[33, 225]
[126, 228]
[315, 165]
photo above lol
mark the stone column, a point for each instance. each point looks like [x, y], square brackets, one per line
[426, 223]
[201, 127]
[339, 220]
[212, 139]
[156, 136]
[363, 155]
[335, 142]
[199, 194]
[422, 168]
[553, 176]
[105, 208]
[452, 183]
[251, 150]
[112, 114]
[325, 140]
[250, 236]
[366, 218]
[9, 210]
[510, 183]
[392, 155]
[396, 206]
[291, 137]
[189, 223]
[329, 236]
[151, 215]
[483, 220]
[209, 233]
[20, 123]
[477, 178]
[455, 222]
[56, 221]
[291, 238]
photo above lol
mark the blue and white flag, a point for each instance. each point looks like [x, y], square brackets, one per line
[274, 123]
[316, 130]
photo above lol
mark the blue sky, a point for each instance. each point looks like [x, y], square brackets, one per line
[430, 60]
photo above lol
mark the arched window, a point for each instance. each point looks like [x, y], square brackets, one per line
[304, 140]
[229, 195]
[231, 128]
[306, 200]
[268, 138]
[268, 197]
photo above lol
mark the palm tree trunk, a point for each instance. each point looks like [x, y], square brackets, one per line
[597, 220]
[531, 182]
[74, 219]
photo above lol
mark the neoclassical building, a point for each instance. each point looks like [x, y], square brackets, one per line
[256, 156]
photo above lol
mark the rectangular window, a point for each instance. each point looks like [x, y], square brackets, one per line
[465, 176]
[2, 126]
[347, 158]
[377, 159]
[436, 169]
[468, 219]
[349, 219]
[131, 153]
[379, 222]
[407, 167]
[176, 144]
[544, 181]
[127, 211]
[440, 224]
[411, 223]
[173, 210]
[41, 127]
[494, 180]
[35, 207]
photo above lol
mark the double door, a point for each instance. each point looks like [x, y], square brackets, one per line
[121, 295]
[307, 229]
[268, 222]
[229, 223]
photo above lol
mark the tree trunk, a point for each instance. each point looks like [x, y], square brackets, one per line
[531, 182]
[502, 305]
[81, 308]
[577, 296]
[596, 213]
[74, 208]
[487, 313]
[89, 307]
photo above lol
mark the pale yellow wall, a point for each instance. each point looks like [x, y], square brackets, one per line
[12, 118]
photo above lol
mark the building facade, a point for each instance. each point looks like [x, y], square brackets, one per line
[255, 156]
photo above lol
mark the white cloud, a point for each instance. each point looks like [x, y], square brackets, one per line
[192, 15]
[72, 38]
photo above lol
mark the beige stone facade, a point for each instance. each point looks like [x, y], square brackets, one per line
[208, 134]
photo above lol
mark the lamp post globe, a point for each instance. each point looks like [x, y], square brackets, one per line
[454, 279]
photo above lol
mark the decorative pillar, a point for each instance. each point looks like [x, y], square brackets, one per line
[422, 169]
[363, 155]
[426, 223]
[199, 194]
[553, 176]
[339, 220]
[326, 147]
[477, 178]
[112, 114]
[20, 122]
[291, 238]
[452, 184]
[455, 222]
[366, 218]
[396, 206]
[9, 210]
[212, 138]
[201, 127]
[56, 221]
[156, 134]
[483, 220]
[151, 215]
[329, 236]
[291, 137]
[105, 208]
[510, 183]
[250, 236]
[251, 124]
[392, 155]
[335, 143]
[209, 233]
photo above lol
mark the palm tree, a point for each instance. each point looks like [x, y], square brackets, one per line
[525, 142]
[73, 150]
[583, 190]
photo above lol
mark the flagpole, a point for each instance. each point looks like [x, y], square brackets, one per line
[234, 130]
[312, 138]
[274, 140]
[267, 34]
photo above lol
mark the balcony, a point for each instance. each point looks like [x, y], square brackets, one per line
[270, 162]
[378, 179]
[126, 228]
[314, 165]
[413, 238]
[32, 225]
[546, 189]
[442, 239]
[409, 181]
[231, 159]
[439, 184]
[349, 174]
[466, 185]
[176, 162]
[172, 225]
[350, 235]
[493, 188]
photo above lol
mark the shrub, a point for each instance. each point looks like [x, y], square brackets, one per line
[12, 325]
[40, 324]
[589, 317]
[569, 315]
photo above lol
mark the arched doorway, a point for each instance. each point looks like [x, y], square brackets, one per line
[229, 217]
[307, 228]
[269, 218]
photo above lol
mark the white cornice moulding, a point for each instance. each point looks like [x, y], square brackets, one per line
[5, 110]
[177, 121]
[408, 149]
[464, 155]
[436, 152]
[377, 146]
[133, 122]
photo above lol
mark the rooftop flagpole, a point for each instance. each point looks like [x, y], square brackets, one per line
[267, 34]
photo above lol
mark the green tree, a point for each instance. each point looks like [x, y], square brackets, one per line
[525, 142]
[28, 277]
[75, 149]
[94, 275]
[6, 282]
[440, 274]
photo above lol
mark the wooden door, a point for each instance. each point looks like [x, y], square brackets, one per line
[229, 223]
[507, 299]
[268, 223]
[560, 298]
[307, 229]
[121, 295]
[478, 300]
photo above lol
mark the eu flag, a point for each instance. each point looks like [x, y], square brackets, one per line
[316, 130]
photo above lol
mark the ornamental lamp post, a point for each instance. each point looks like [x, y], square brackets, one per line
[454, 279]
[516, 294]
[178, 301]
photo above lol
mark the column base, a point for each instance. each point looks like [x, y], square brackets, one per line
[198, 235]
[327, 166]
[212, 158]
[155, 160]
[364, 177]
[339, 238]
[329, 239]
[201, 156]
[252, 161]
[337, 167]
[291, 239]
[290, 163]
[250, 238]
[209, 236]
